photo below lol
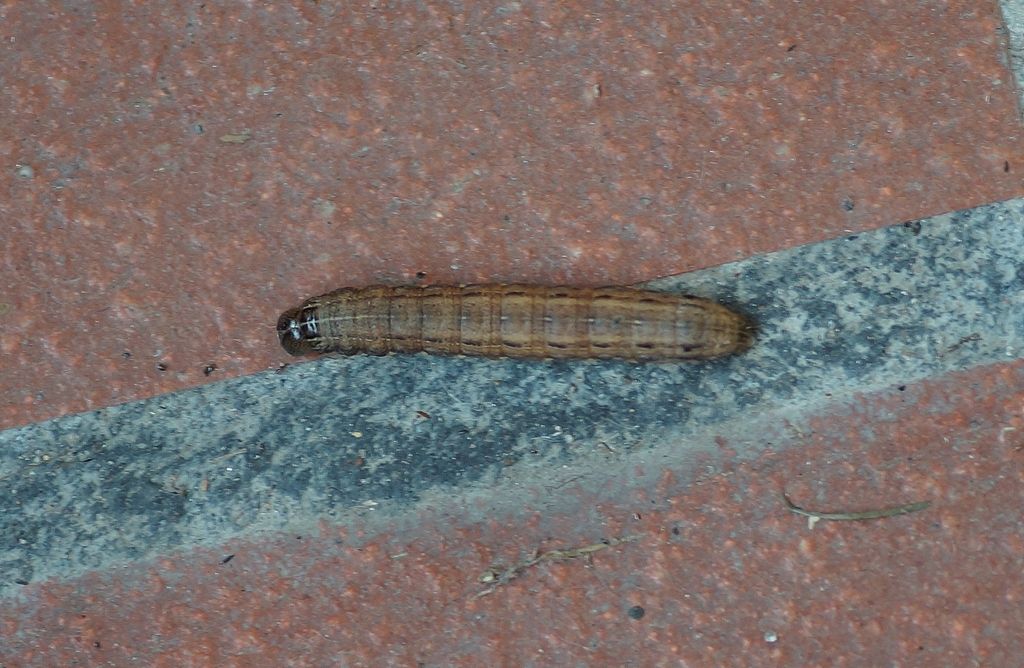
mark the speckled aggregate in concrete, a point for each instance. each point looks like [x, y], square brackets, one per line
[344, 510]
[717, 572]
[178, 173]
[1013, 20]
[879, 310]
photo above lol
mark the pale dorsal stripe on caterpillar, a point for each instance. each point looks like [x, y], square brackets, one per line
[510, 320]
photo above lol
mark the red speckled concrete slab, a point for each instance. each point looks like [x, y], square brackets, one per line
[714, 571]
[178, 173]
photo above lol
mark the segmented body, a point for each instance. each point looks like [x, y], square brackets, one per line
[509, 320]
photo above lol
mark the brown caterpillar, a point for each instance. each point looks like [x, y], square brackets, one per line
[514, 321]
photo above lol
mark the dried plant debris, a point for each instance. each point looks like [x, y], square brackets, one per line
[497, 577]
[857, 515]
[236, 137]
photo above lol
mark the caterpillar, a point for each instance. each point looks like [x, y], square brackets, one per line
[512, 320]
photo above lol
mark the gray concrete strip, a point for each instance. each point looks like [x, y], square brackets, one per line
[347, 439]
[1013, 19]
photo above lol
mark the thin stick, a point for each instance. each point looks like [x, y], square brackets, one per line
[496, 578]
[862, 515]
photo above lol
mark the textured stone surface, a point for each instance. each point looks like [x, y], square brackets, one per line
[724, 574]
[347, 509]
[178, 173]
[881, 310]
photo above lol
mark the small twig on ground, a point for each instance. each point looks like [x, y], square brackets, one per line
[855, 516]
[497, 578]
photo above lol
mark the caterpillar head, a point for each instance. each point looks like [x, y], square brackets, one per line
[299, 331]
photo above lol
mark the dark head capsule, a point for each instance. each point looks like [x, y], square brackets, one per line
[298, 331]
